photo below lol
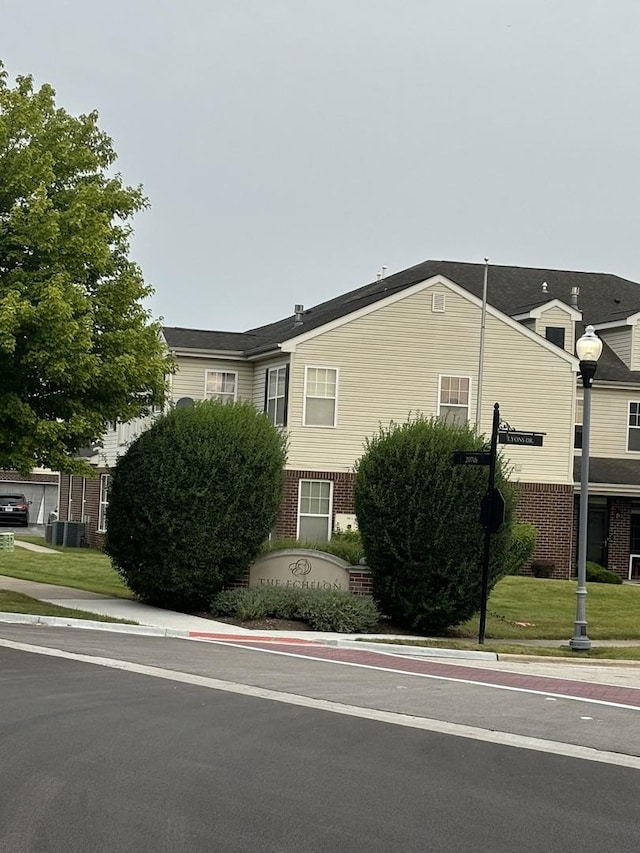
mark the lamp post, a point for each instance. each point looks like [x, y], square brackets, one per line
[588, 350]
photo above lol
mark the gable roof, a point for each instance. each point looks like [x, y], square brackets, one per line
[513, 290]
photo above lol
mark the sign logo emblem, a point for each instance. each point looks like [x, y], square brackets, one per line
[300, 568]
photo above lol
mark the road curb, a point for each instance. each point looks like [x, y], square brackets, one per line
[90, 624]
[390, 649]
[413, 651]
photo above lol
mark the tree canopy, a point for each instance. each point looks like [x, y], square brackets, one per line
[77, 347]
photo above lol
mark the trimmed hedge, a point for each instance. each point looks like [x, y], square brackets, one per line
[322, 609]
[192, 500]
[419, 517]
[598, 574]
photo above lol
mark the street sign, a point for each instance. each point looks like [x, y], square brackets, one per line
[492, 510]
[471, 457]
[526, 439]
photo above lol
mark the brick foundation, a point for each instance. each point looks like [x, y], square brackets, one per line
[287, 524]
[549, 507]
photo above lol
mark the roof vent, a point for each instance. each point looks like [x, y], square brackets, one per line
[575, 292]
[544, 287]
[297, 314]
[382, 272]
[438, 303]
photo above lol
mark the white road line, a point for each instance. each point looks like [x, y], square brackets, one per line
[423, 723]
[435, 677]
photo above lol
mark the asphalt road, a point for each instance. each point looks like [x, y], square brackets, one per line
[97, 759]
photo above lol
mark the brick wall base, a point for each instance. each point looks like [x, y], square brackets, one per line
[549, 507]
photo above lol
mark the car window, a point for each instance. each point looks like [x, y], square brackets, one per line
[12, 500]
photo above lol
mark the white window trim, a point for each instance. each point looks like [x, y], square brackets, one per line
[629, 402]
[218, 370]
[442, 376]
[268, 370]
[308, 367]
[102, 506]
[306, 514]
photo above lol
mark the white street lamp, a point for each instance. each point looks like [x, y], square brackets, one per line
[588, 350]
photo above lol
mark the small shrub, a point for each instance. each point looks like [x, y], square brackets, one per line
[347, 546]
[323, 610]
[598, 574]
[521, 547]
[543, 568]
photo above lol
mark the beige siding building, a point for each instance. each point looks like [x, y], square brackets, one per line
[409, 343]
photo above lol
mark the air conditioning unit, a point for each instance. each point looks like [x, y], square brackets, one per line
[69, 534]
[344, 521]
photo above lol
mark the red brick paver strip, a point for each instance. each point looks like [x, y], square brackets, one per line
[548, 685]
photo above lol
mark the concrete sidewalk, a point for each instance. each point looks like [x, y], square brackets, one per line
[117, 608]
[173, 621]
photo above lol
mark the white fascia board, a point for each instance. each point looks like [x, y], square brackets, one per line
[613, 489]
[631, 320]
[537, 312]
[223, 355]
[277, 350]
[291, 344]
[619, 386]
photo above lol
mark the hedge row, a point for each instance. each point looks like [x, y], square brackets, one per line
[323, 610]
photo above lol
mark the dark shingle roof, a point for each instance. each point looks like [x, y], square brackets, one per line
[513, 290]
[621, 472]
[201, 339]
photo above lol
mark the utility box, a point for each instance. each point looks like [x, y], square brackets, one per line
[69, 534]
[344, 521]
[6, 542]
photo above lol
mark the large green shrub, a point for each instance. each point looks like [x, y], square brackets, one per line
[322, 609]
[419, 518]
[521, 547]
[192, 501]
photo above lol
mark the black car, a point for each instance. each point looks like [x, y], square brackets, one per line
[14, 509]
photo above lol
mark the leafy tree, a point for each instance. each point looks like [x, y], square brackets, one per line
[419, 517]
[192, 501]
[77, 348]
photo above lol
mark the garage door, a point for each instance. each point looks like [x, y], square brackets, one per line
[43, 497]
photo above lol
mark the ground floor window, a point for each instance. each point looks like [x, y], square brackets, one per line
[105, 488]
[314, 510]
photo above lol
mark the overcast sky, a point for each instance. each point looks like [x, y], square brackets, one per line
[290, 148]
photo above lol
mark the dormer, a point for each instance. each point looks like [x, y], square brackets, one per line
[553, 320]
[623, 336]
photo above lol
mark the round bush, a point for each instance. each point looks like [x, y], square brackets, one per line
[192, 501]
[419, 518]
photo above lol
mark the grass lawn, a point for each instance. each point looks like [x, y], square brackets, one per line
[604, 652]
[546, 609]
[81, 568]
[15, 602]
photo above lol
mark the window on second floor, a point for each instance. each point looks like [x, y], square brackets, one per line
[633, 431]
[555, 334]
[276, 393]
[453, 400]
[221, 385]
[320, 396]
